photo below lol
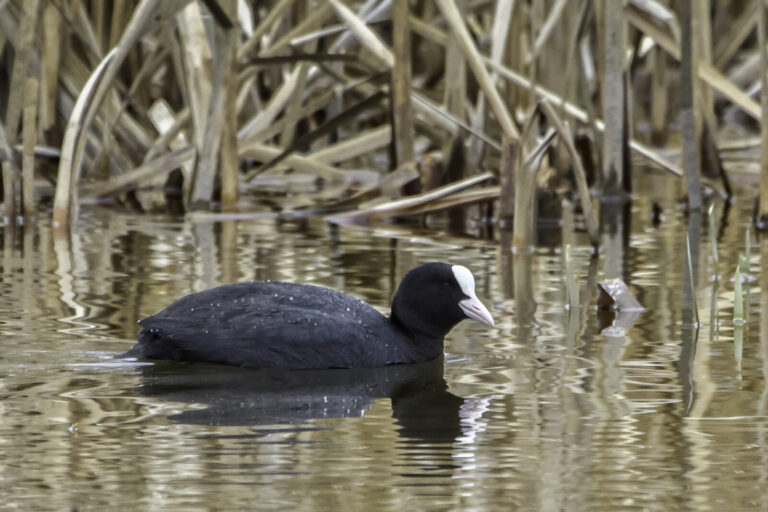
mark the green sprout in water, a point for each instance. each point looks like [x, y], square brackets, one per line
[744, 260]
[715, 272]
[738, 317]
[738, 301]
[713, 238]
[713, 311]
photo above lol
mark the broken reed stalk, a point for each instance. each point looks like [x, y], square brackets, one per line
[547, 28]
[350, 147]
[159, 166]
[578, 113]
[703, 33]
[273, 15]
[525, 192]
[511, 162]
[691, 161]
[368, 38]
[267, 115]
[455, 93]
[229, 158]
[21, 66]
[293, 109]
[50, 54]
[416, 203]
[9, 184]
[66, 196]
[476, 62]
[578, 170]
[762, 26]
[29, 137]
[499, 41]
[744, 25]
[708, 74]
[613, 101]
[507, 169]
[402, 111]
[96, 33]
[206, 104]
[659, 96]
[89, 101]
[288, 90]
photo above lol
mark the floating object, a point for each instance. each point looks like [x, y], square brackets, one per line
[614, 294]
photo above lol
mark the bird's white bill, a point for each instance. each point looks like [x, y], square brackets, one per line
[474, 309]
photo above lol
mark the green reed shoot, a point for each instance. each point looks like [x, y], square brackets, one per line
[744, 260]
[713, 237]
[738, 318]
[713, 331]
[738, 301]
[571, 281]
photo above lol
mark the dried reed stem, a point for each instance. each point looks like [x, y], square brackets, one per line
[659, 96]
[475, 60]
[29, 138]
[691, 159]
[578, 170]
[50, 53]
[613, 102]
[762, 215]
[88, 103]
[401, 84]
[229, 158]
[21, 64]
[509, 162]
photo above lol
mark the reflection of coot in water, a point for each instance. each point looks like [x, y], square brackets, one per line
[421, 403]
[295, 326]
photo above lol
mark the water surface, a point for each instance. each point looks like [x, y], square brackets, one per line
[544, 412]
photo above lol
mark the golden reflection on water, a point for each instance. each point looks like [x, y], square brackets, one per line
[543, 412]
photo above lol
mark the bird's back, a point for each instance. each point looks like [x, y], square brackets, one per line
[272, 325]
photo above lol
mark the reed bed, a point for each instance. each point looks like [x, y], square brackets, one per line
[375, 109]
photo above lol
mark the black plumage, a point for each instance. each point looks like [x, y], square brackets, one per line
[298, 326]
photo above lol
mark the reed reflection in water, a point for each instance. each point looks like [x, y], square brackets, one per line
[544, 412]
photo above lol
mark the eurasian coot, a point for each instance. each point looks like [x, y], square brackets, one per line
[299, 326]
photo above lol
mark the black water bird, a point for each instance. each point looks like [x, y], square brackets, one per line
[297, 326]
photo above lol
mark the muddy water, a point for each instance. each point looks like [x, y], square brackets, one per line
[548, 411]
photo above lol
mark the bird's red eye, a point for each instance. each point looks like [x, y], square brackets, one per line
[446, 285]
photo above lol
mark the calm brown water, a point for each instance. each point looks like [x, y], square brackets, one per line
[541, 413]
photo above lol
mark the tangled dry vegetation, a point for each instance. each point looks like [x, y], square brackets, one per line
[368, 109]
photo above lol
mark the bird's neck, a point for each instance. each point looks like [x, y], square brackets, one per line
[425, 339]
